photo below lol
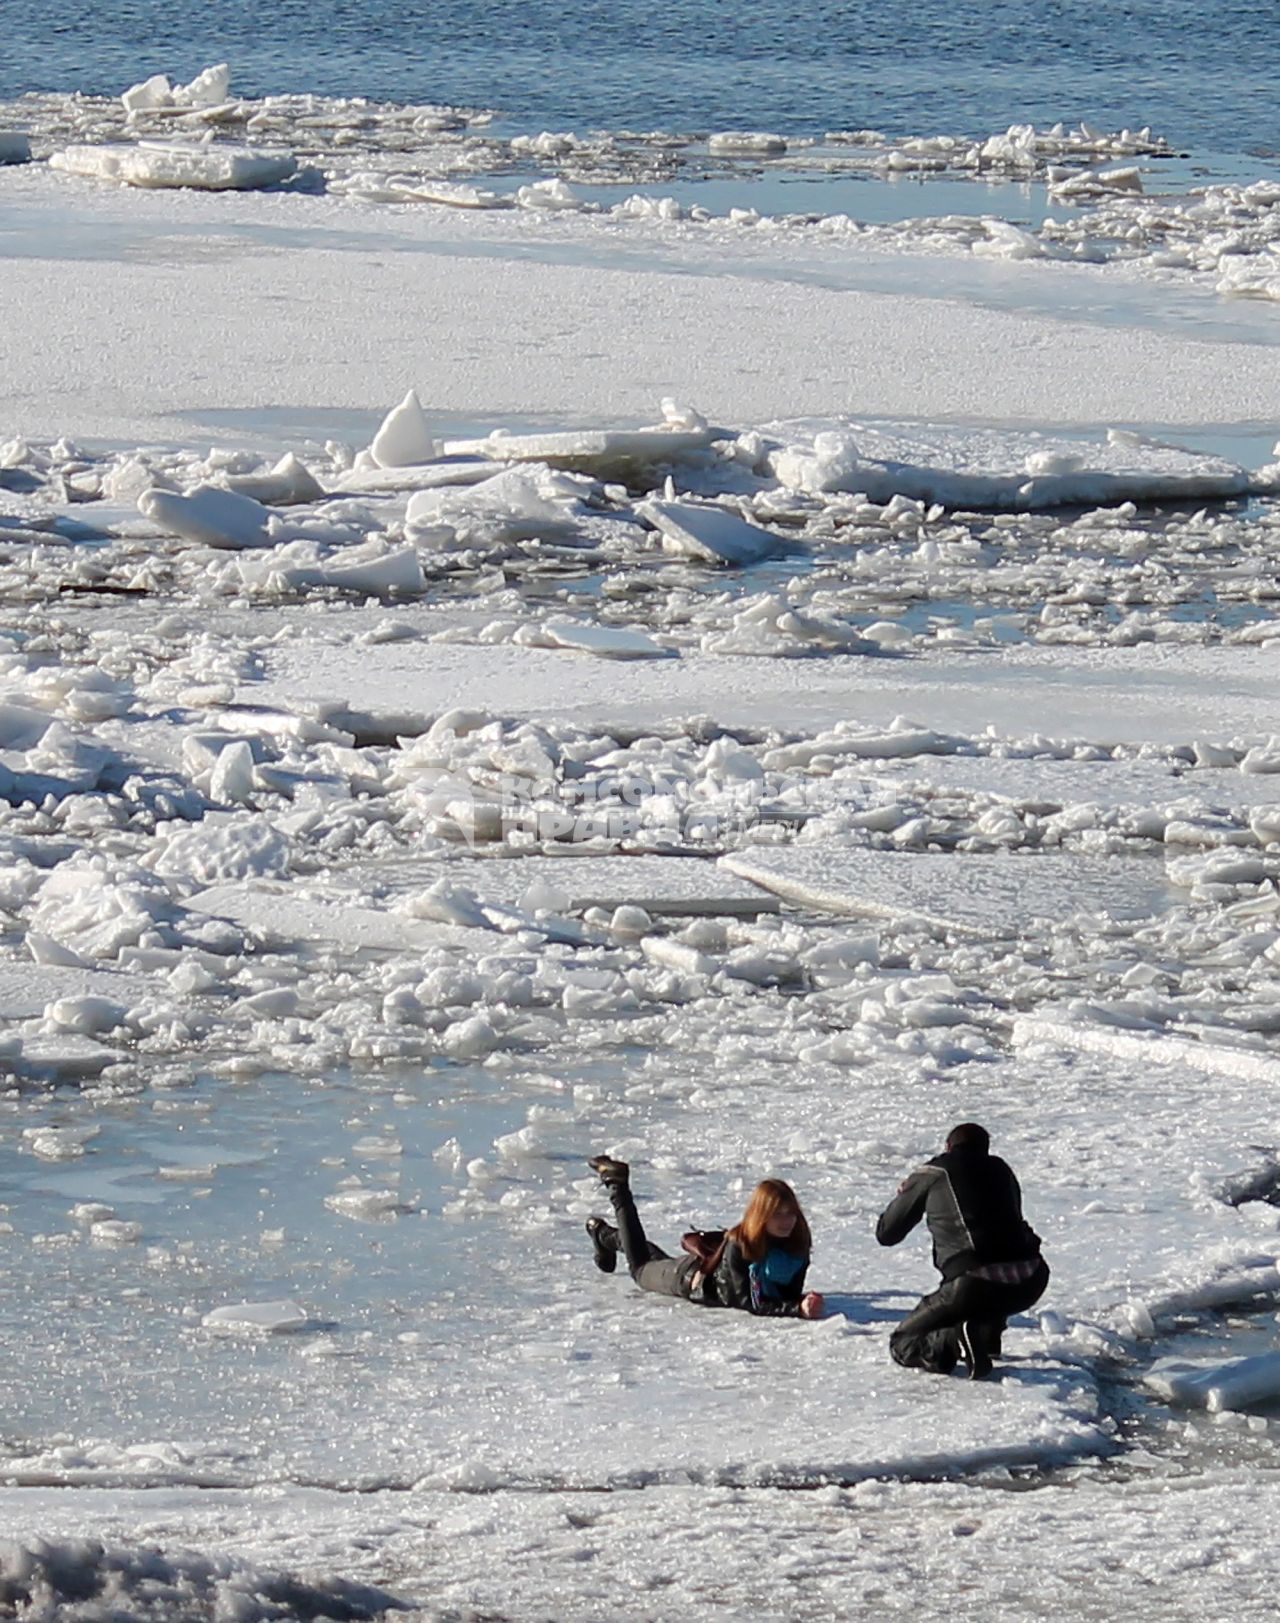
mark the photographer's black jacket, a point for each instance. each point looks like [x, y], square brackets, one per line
[973, 1206]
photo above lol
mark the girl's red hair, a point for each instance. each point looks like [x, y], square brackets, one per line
[751, 1236]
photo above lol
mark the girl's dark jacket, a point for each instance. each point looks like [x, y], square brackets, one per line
[729, 1285]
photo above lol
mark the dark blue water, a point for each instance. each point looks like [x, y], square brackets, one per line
[1206, 76]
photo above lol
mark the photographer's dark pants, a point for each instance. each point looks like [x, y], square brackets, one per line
[926, 1338]
[651, 1267]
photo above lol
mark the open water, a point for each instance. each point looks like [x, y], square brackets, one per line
[1207, 77]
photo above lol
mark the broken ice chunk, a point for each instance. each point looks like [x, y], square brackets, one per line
[154, 164]
[609, 642]
[404, 440]
[710, 533]
[210, 516]
[272, 1318]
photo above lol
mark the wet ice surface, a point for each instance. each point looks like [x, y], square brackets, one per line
[398, 811]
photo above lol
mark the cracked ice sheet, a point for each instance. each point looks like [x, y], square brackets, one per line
[275, 913]
[586, 879]
[988, 893]
[1113, 695]
[1038, 783]
[139, 300]
[1149, 1551]
[26, 988]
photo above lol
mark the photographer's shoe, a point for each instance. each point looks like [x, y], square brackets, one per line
[609, 1170]
[604, 1240]
[973, 1350]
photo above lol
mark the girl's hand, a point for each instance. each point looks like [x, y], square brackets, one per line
[811, 1305]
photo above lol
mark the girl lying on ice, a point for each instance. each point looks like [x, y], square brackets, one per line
[759, 1265]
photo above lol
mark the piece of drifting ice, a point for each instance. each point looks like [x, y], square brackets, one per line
[888, 633]
[231, 780]
[540, 896]
[148, 95]
[1042, 464]
[447, 904]
[159, 165]
[590, 450]
[630, 922]
[669, 954]
[56, 1143]
[210, 516]
[1262, 758]
[271, 912]
[114, 1231]
[271, 1318]
[365, 1204]
[63, 1058]
[1214, 755]
[960, 467]
[45, 950]
[449, 193]
[22, 726]
[1142, 1045]
[984, 891]
[550, 194]
[469, 1039]
[14, 148]
[404, 439]
[1004, 240]
[288, 483]
[831, 462]
[376, 1148]
[513, 504]
[709, 533]
[88, 1014]
[677, 415]
[368, 477]
[1218, 1387]
[609, 642]
[156, 94]
[746, 141]
[398, 572]
[208, 89]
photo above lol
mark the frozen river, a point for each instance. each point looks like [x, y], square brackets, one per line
[795, 670]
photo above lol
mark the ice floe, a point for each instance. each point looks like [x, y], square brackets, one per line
[404, 439]
[1237, 1383]
[216, 518]
[208, 89]
[882, 461]
[270, 1318]
[982, 894]
[709, 533]
[599, 451]
[171, 164]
